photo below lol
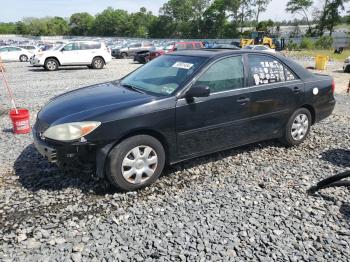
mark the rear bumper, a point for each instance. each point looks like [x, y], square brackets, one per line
[325, 111]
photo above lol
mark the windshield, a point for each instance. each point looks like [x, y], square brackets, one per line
[57, 47]
[164, 74]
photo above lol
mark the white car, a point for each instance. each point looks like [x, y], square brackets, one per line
[346, 66]
[14, 53]
[263, 48]
[81, 53]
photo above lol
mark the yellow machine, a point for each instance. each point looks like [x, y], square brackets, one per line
[258, 38]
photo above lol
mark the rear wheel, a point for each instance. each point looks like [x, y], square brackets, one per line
[135, 163]
[97, 63]
[298, 127]
[347, 69]
[23, 58]
[51, 64]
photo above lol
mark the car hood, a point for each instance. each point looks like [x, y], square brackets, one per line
[91, 103]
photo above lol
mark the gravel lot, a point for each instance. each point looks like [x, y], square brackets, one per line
[242, 204]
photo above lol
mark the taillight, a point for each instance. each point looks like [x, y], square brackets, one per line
[333, 86]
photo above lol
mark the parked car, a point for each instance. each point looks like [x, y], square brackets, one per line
[225, 46]
[31, 48]
[142, 57]
[175, 46]
[82, 53]
[13, 53]
[180, 106]
[346, 66]
[263, 48]
[131, 49]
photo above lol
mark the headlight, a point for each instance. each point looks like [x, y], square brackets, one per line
[71, 131]
[347, 61]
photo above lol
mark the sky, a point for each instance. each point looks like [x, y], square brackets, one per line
[15, 11]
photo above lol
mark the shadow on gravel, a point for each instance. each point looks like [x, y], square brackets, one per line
[338, 157]
[36, 173]
[60, 69]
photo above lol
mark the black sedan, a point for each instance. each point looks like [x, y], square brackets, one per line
[180, 106]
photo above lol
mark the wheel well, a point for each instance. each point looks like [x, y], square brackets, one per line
[99, 57]
[52, 57]
[151, 133]
[312, 112]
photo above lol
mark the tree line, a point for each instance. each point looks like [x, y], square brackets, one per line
[183, 19]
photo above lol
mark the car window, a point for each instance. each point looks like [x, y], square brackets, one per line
[226, 74]
[289, 75]
[14, 49]
[71, 47]
[87, 46]
[265, 70]
[4, 49]
[260, 48]
[189, 46]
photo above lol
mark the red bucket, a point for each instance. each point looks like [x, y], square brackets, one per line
[20, 121]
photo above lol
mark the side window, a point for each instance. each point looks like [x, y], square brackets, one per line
[12, 49]
[4, 49]
[289, 75]
[72, 47]
[265, 70]
[226, 74]
[189, 46]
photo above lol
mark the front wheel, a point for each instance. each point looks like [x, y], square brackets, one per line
[298, 127]
[135, 163]
[51, 64]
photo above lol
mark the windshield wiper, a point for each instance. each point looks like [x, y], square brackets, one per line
[132, 88]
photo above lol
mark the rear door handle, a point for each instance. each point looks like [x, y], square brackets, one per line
[296, 90]
[243, 100]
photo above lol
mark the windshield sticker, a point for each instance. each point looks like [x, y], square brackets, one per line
[182, 65]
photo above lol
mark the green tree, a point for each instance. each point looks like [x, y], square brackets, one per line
[7, 28]
[141, 22]
[81, 23]
[300, 7]
[330, 15]
[112, 22]
[57, 26]
[260, 7]
[214, 20]
[162, 27]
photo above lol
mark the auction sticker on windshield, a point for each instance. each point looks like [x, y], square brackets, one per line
[183, 65]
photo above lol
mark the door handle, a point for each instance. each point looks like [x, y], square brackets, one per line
[296, 90]
[243, 100]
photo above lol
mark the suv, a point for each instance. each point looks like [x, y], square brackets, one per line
[131, 49]
[92, 54]
[175, 46]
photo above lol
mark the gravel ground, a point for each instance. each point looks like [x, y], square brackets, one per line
[242, 204]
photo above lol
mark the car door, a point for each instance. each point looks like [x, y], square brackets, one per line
[4, 54]
[14, 53]
[69, 54]
[87, 52]
[220, 120]
[276, 92]
[134, 48]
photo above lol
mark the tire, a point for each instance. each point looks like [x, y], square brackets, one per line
[297, 128]
[347, 69]
[126, 166]
[89, 66]
[51, 64]
[97, 63]
[23, 58]
[124, 55]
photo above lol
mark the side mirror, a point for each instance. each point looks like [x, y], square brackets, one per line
[198, 91]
